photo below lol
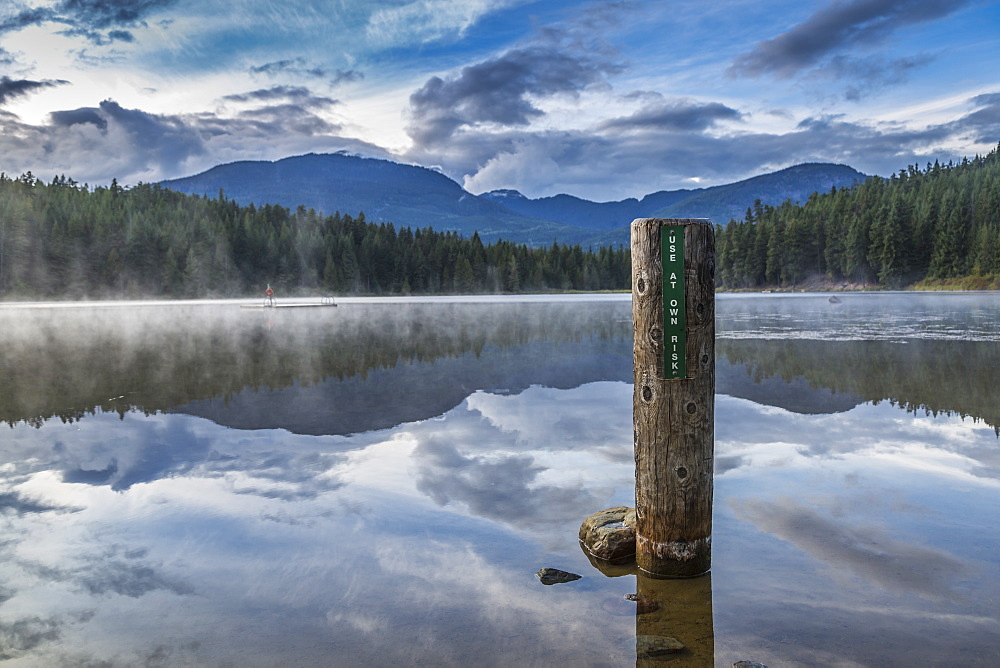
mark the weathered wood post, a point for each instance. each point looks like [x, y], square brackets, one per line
[673, 312]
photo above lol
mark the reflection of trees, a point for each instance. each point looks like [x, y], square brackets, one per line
[71, 362]
[920, 375]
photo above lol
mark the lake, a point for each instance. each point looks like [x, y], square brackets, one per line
[378, 483]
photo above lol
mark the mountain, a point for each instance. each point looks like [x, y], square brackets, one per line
[385, 191]
[418, 197]
[720, 203]
[797, 183]
[578, 212]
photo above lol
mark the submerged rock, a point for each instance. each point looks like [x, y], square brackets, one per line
[643, 604]
[748, 664]
[652, 647]
[551, 576]
[834, 300]
[610, 534]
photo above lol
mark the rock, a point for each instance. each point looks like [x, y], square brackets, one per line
[835, 299]
[610, 534]
[748, 664]
[643, 604]
[551, 576]
[651, 647]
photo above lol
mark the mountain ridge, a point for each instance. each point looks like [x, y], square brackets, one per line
[417, 197]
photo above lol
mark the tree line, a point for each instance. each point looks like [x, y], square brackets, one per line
[63, 240]
[940, 223]
[66, 240]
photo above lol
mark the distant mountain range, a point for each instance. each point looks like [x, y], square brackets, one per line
[418, 197]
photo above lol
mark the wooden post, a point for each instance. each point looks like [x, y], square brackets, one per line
[673, 312]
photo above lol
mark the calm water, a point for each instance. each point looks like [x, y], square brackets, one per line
[377, 484]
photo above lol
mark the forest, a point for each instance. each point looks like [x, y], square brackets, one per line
[63, 240]
[934, 226]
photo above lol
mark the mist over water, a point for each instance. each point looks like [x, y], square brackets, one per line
[199, 483]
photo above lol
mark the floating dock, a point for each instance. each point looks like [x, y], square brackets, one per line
[261, 307]
[271, 303]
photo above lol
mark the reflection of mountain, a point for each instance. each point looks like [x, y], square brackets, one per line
[362, 367]
[938, 376]
[793, 394]
[414, 391]
[353, 368]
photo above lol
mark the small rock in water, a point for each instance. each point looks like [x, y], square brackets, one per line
[651, 647]
[834, 300]
[644, 604]
[551, 576]
[748, 664]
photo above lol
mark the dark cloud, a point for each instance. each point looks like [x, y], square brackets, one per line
[982, 125]
[12, 88]
[836, 26]
[127, 579]
[986, 99]
[79, 116]
[500, 90]
[656, 158]
[299, 67]
[679, 116]
[102, 14]
[868, 75]
[25, 18]
[498, 488]
[12, 502]
[297, 94]
[90, 18]
[25, 634]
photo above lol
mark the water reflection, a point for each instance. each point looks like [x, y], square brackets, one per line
[407, 526]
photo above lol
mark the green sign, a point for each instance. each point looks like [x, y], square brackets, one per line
[674, 316]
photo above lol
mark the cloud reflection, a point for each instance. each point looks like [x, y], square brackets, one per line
[867, 551]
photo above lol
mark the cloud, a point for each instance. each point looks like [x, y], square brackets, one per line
[125, 579]
[88, 18]
[12, 502]
[982, 125]
[26, 634]
[500, 90]
[864, 550]
[297, 94]
[78, 116]
[26, 18]
[679, 116]
[654, 158]
[95, 144]
[867, 75]
[423, 21]
[838, 25]
[12, 88]
[300, 68]
[500, 488]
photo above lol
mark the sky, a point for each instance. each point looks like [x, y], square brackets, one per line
[602, 100]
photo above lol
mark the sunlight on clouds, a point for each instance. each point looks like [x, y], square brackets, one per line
[425, 21]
